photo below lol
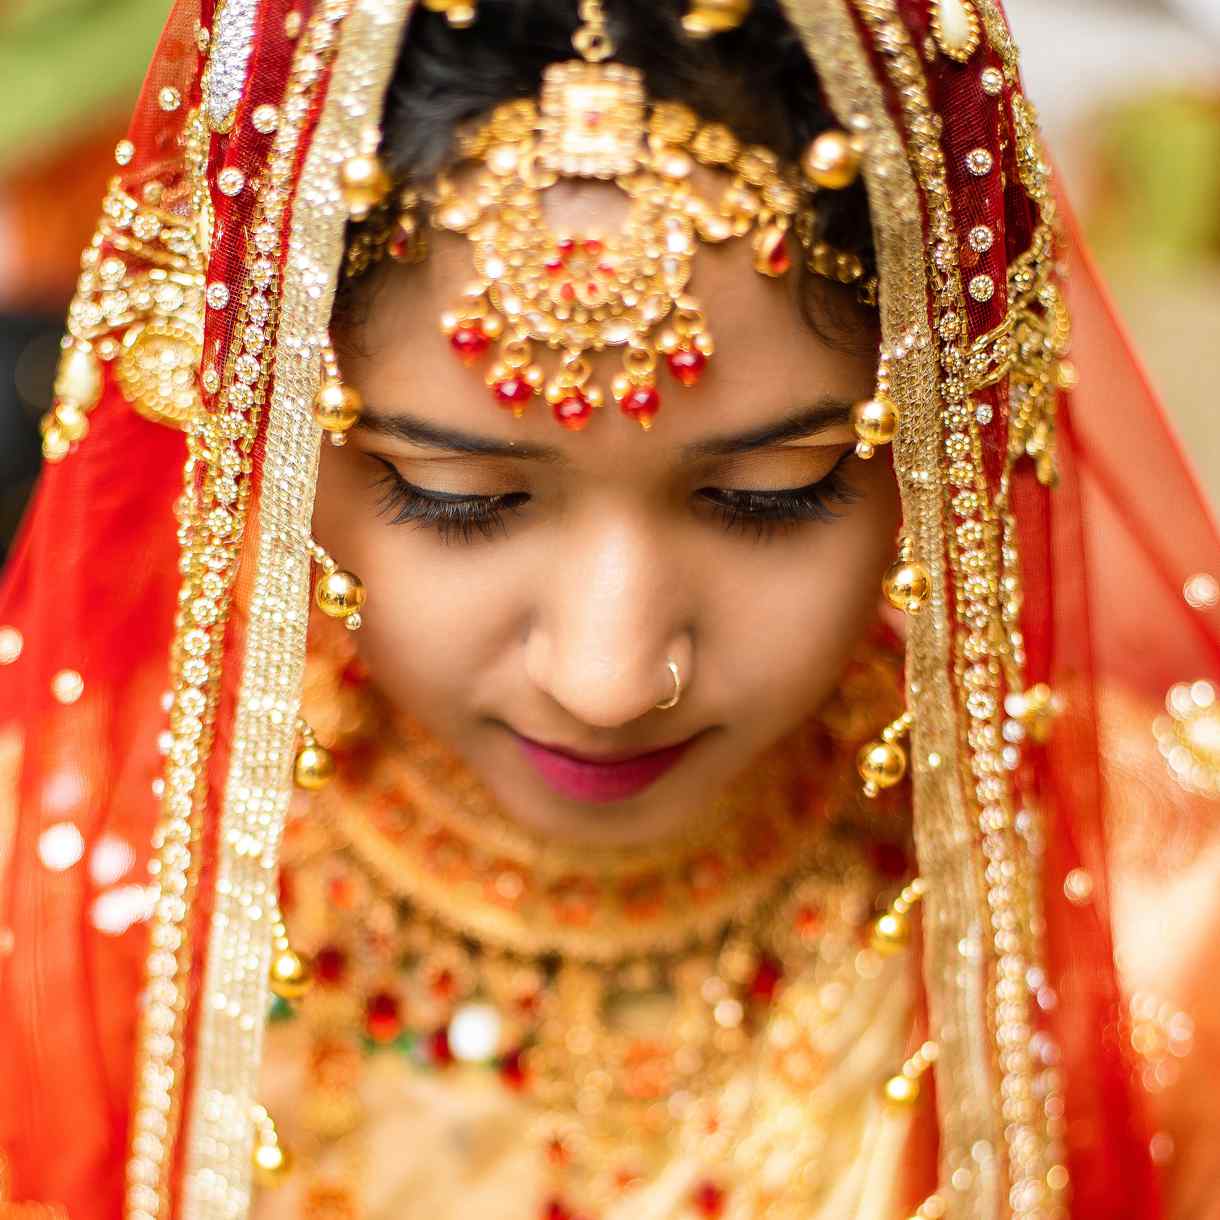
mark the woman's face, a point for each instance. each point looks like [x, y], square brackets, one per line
[528, 585]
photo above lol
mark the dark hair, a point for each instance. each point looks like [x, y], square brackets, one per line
[756, 79]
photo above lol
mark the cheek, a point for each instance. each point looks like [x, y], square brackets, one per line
[796, 622]
[433, 621]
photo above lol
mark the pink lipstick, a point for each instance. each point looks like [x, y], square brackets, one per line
[601, 780]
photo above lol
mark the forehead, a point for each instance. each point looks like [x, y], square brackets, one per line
[767, 358]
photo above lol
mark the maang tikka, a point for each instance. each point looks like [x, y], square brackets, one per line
[581, 292]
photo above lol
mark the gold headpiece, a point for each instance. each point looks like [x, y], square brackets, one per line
[579, 293]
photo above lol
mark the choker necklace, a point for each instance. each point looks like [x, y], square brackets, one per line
[638, 1005]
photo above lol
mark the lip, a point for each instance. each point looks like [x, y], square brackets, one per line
[600, 780]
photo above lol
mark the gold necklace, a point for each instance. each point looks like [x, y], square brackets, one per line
[633, 1003]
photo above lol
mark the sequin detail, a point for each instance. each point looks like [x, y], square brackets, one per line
[232, 42]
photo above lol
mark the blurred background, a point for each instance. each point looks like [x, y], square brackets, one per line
[1128, 90]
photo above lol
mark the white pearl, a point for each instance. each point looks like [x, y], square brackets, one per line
[956, 29]
[474, 1033]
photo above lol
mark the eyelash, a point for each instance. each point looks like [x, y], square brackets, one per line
[766, 513]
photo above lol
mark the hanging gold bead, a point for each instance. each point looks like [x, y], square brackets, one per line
[271, 1164]
[55, 444]
[708, 17]
[901, 1091]
[314, 767]
[290, 974]
[79, 377]
[832, 161]
[907, 586]
[1036, 709]
[72, 421]
[875, 421]
[881, 764]
[340, 594]
[364, 184]
[459, 13]
[337, 407]
[891, 933]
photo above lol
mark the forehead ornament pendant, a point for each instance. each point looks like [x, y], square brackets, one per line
[580, 292]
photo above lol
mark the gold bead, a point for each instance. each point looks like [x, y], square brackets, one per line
[337, 406]
[891, 933]
[340, 593]
[290, 973]
[881, 764]
[271, 1163]
[875, 421]
[708, 17]
[1036, 709]
[79, 377]
[907, 586]
[459, 13]
[55, 444]
[364, 184]
[72, 421]
[314, 767]
[901, 1091]
[832, 161]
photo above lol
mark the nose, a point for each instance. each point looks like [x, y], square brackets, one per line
[607, 625]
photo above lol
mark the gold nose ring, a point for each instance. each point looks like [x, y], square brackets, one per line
[672, 701]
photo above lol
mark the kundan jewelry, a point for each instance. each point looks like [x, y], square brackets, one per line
[577, 293]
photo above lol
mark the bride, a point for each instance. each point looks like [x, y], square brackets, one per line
[603, 637]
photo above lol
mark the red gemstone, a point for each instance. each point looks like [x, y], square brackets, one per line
[641, 403]
[687, 365]
[779, 260]
[709, 1199]
[383, 1016]
[566, 246]
[568, 291]
[593, 247]
[554, 1209]
[808, 922]
[469, 342]
[439, 1050]
[443, 984]
[513, 392]
[766, 979]
[512, 1071]
[330, 965]
[574, 411]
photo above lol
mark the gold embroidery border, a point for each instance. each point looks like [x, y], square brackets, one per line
[233, 1006]
[956, 936]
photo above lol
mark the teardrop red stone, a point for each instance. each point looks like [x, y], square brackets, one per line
[469, 342]
[574, 411]
[779, 260]
[766, 980]
[439, 1050]
[382, 1017]
[709, 1199]
[641, 403]
[513, 392]
[512, 1071]
[687, 365]
[329, 965]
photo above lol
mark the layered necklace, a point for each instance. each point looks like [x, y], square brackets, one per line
[668, 1024]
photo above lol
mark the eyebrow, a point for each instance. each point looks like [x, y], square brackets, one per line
[807, 421]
